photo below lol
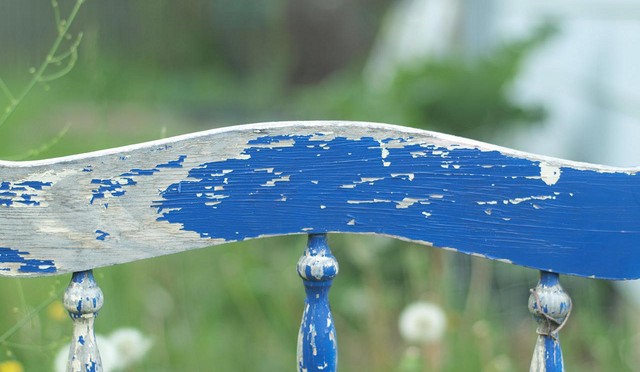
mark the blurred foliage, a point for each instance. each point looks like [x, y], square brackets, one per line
[462, 96]
[153, 69]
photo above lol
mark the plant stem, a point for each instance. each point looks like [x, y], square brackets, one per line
[62, 27]
[25, 319]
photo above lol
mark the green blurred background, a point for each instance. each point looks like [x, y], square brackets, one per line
[153, 69]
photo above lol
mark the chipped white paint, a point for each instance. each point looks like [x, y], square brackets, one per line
[367, 180]
[318, 264]
[504, 261]
[418, 154]
[369, 201]
[268, 170]
[370, 180]
[272, 183]
[549, 173]
[528, 198]
[491, 202]
[408, 202]
[410, 176]
[384, 153]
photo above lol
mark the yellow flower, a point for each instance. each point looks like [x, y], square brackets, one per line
[56, 311]
[11, 366]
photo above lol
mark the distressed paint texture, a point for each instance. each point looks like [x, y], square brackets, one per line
[317, 342]
[551, 307]
[83, 299]
[13, 259]
[114, 187]
[286, 178]
[472, 200]
[23, 193]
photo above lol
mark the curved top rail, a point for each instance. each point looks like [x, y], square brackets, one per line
[120, 205]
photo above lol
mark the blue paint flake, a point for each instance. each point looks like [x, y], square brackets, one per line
[487, 202]
[270, 140]
[116, 186]
[21, 193]
[8, 255]
[101, 235]
[91, 367]
[174, 163]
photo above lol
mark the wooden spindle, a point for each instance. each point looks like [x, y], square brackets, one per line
[83, 299]
[551, 307]
[317, 343]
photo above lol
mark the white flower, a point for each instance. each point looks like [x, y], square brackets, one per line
[124, 347]
[422, 322]
[130, 344]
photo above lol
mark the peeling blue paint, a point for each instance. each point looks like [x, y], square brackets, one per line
[475, 201]
[317, 335]
[116, 186]
[91, 366]
[79, 276]
[173, 163]
[163, 147]
[21, 192]
[101, 235]
[8, 255]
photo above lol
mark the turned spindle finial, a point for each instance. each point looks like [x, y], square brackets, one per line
[83, 299]
[551, 306]
[317, 343]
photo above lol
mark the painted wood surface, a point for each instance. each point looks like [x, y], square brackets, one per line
[83, 299]
[551, 306]
[120, 205]
[317, 341]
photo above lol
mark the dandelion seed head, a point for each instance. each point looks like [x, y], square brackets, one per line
[422, 322]
[131, 345]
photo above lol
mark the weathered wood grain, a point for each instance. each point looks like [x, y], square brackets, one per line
[120, 205]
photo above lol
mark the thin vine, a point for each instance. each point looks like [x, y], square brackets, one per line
[43, 73]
